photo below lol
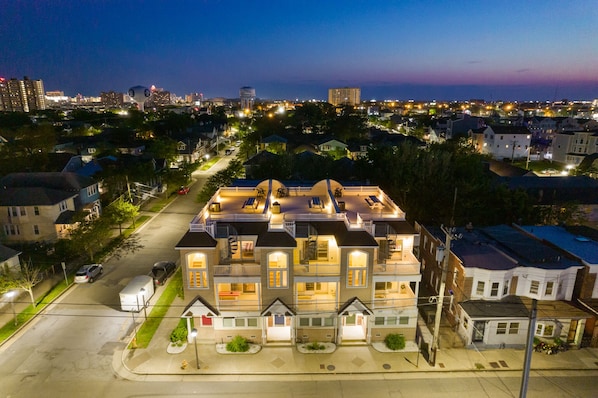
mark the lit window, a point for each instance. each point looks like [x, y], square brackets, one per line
[277, 270]
[198, 273]
[357, 270]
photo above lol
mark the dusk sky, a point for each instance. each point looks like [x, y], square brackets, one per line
[422, 50]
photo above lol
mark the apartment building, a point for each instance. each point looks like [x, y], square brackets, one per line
[21, 95]
[572, 147]
[344, 96]
[285, 263]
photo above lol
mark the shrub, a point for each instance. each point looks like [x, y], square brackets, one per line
[315, 346]
[237, 344]
[178, 334]
[395, 341]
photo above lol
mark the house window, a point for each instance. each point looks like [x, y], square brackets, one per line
[92, 190]
[11, 229]
[514, 328]
[480, 288]
[277, 270]
[316, 322]
[505, 289]
[198, 272]
[13, 211]
[403, 320]
[501, 328]
[22, 211]
[549, 287]
[357, 270]
[544, 329]
[494, 289]
[534, 287]
[36, 229]
[62, 206]
[227, 322]
[36, 211]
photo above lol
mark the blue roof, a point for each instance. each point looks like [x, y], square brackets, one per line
[584, 248]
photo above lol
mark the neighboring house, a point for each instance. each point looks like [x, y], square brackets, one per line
[254, 162]
[190, 149]
[282, 263]
[39, 207]
[331, 145]
[503, 141]
[491, 274]
[572, 147]
[357, 150]
[9, 259]
[578, 242]
[459, 127]
[274, 143]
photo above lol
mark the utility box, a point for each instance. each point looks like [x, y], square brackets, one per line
[136, 295]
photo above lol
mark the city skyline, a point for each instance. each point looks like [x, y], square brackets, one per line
[409, 50]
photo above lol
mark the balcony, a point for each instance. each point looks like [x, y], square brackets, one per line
[316, 302]
[234, 269]
[406, 264]
[383, 299]
[315, 269]
[237, 301]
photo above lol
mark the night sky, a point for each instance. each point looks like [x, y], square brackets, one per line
[392, 49]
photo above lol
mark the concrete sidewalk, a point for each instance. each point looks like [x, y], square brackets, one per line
[155, 363]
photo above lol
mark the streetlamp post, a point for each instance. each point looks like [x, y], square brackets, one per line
[142, 292]
[194, 335]
[11, 295]
[442, 255]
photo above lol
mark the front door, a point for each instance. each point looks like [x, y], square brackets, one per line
[279, 328]
[478, 331]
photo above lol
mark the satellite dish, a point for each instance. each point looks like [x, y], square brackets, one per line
[140, 94]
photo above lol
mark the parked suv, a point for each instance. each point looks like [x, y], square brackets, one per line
[88, 273]
[162, 270]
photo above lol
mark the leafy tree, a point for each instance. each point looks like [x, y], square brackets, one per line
[120, 211]
[90, 236]
[220, 179]
[26, 279]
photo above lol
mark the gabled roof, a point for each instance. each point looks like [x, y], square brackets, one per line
[70, 182]
[274, 138]
[33, 196]
[278, 307]
[196, 239]
[353, 306]
[199, 307]
[275, 239]
[7, 253]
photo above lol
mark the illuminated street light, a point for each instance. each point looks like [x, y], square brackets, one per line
[11, 294]
[194, 335]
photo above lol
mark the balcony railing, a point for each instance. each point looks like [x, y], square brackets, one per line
[316, 302]
[242, 302]
[234, 269]
[314, 269]
[392, 300]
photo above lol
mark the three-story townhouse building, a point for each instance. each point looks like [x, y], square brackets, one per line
[280, 264]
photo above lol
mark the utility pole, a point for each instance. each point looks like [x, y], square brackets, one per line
[442, 255]
[528, 348]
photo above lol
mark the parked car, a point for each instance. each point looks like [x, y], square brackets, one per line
[88, 273]
[183, 190]
[162, 270]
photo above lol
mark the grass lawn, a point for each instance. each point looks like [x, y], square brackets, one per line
[154, 318]
[540, 165]
[29, 312]
[209, 163]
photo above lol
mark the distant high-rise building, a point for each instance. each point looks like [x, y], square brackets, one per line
[21, 95]
[159, 97]
[194, 98]
[344, 96]
[112, 99]
[247, 95]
